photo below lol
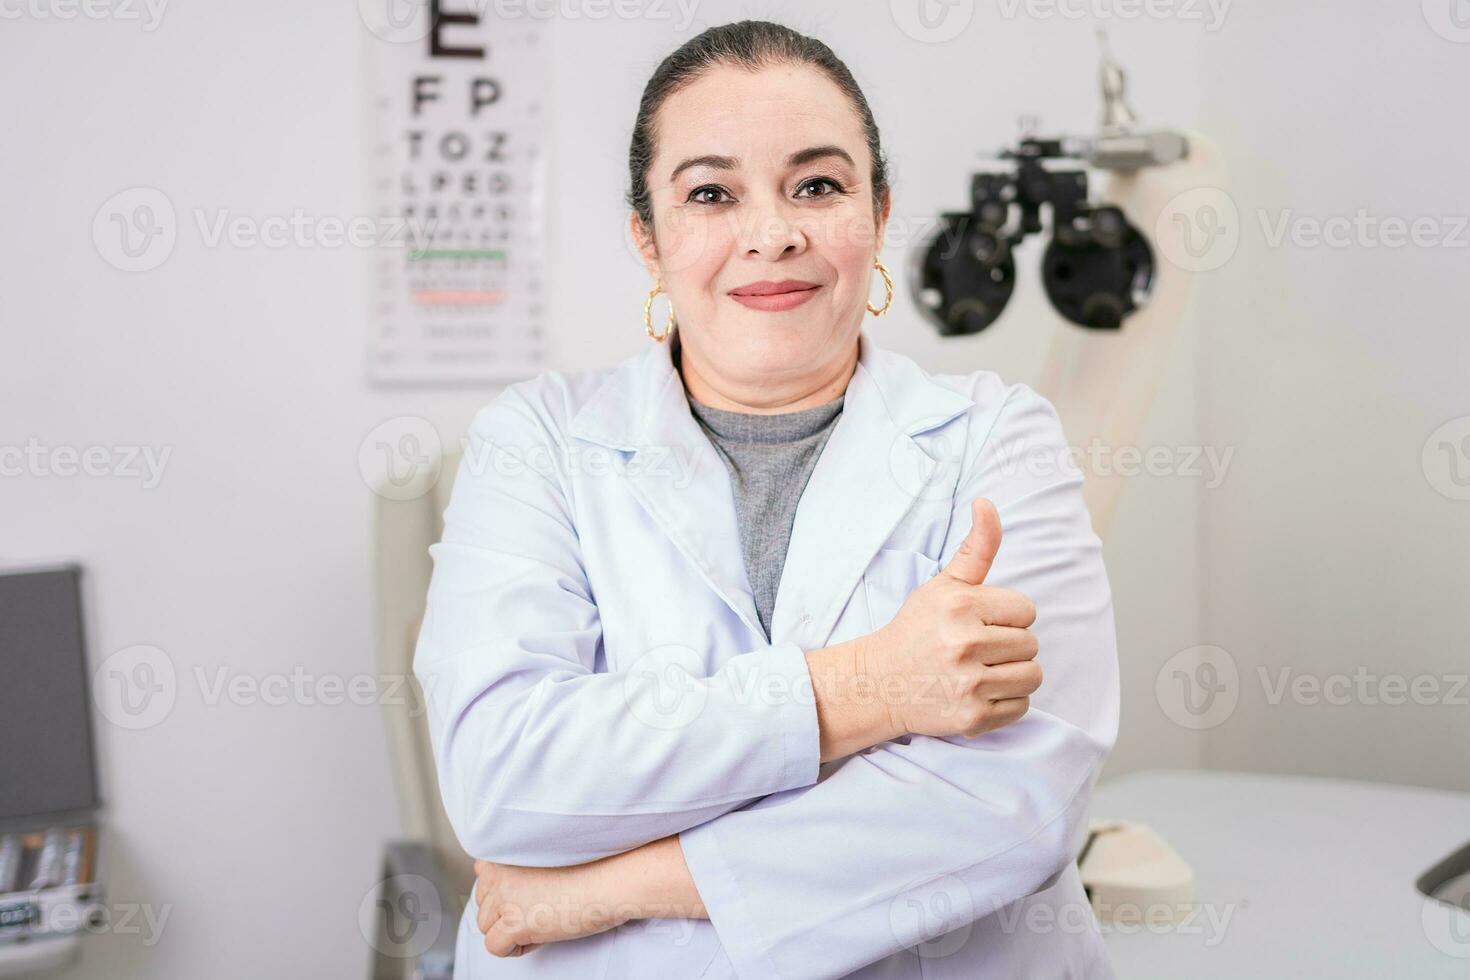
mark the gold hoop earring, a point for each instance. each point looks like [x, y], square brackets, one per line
[648, 316]
[887, 288]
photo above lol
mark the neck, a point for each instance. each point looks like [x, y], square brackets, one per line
[792, 395]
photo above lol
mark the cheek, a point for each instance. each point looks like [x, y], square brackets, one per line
[850, 229]
[847, 243]
[692, 248]
[853, 257]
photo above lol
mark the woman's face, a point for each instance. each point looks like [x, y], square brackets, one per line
[763, 179]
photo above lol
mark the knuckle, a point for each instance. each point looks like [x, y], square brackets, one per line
[1036, 674]
[991, 600]
[969, 686]
[955, 604]
[510, 934]
[977, 718]
[487, 916]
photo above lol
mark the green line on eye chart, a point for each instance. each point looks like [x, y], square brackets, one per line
[456, 253]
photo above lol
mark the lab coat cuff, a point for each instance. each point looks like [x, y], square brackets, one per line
[795, 715]
[724, 903]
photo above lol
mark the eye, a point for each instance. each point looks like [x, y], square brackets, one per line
[818, 181]
[706, 189]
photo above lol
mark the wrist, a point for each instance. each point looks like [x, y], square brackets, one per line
[853, 712]
[649, 882]
[873, 663]
[606, 902]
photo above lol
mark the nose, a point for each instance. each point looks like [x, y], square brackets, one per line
[769, 232]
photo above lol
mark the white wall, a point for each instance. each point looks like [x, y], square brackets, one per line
[1328, 551]
[259, 826]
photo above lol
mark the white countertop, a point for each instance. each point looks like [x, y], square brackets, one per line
[1296, 876]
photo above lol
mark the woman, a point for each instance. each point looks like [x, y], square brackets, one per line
[665, 765]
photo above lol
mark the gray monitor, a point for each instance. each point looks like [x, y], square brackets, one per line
[47, 763]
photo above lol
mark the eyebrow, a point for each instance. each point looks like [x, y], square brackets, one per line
[796, 159]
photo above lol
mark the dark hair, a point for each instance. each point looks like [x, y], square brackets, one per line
[752, 45]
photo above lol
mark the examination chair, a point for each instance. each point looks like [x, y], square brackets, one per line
[426, 876]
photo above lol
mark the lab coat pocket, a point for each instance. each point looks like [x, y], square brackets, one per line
[892, 575]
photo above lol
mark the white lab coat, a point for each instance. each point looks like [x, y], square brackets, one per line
[597, 678]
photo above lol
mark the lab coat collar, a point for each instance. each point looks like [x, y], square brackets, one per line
[627, 410]
[851, 504]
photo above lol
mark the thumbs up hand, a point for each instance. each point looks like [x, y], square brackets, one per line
[959, 658]
[971, 563]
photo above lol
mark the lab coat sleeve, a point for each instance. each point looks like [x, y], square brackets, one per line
[920, 836]
[543, 761]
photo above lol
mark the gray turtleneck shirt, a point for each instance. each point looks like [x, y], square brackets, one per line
[770, 459]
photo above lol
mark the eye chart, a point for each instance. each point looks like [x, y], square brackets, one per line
[457, 185]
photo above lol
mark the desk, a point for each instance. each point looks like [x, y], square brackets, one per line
[1300, 877]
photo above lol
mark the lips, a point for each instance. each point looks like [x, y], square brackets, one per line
[767, 288]
[775, 297]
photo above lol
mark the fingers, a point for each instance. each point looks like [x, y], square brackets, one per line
[999, 714]
[989, 605]
[487, 909]
[1005, 607]
[971, 563]
[1007, 644]
[505, 937]
[500, 924]
[500, 941]
[1008, 681]
[1009, 711]
[482, 887]
[486, 914]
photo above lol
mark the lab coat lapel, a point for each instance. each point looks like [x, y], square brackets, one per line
[669, 465]
[870, 475]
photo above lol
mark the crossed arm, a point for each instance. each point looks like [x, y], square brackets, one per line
[653, 880]
[663, 823]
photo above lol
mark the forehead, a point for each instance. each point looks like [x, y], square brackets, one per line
[758, 117]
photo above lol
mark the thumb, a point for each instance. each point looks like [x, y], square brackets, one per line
[972, 562]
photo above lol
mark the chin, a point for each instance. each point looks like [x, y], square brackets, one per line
[772, 348]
